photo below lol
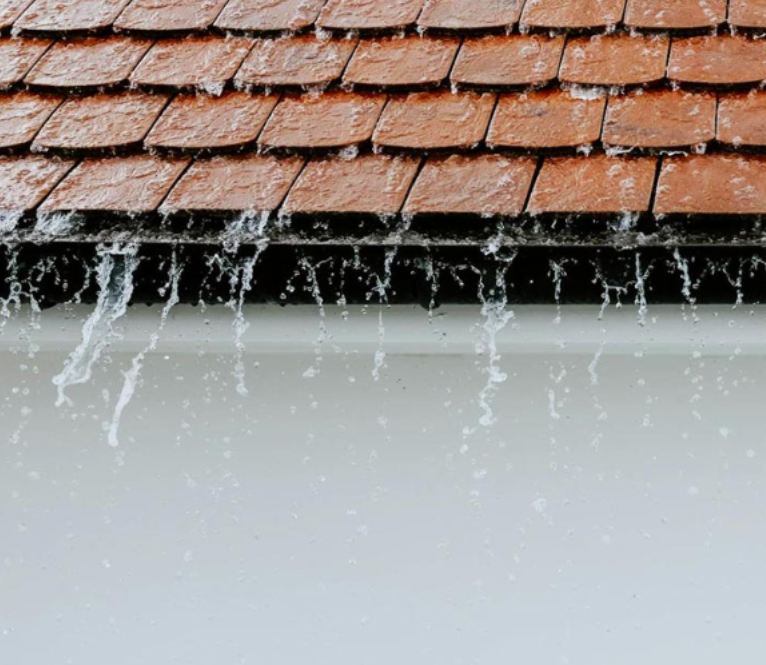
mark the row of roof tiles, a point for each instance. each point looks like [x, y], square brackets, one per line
[382, 184]
[279, 15]
[654, 119]
[212, 62]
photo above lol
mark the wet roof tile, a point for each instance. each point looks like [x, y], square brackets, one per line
[546, 119]
[722, 59]
[202, 121]
[17, 57]
[615, 60]
[243, 182]
[484, 184]
[169, 15]
[595, 184]
[101, 121]
[302, 60]
[462, 15]
[742, 119]
[402, 61]
[375, 184]
[88, 63]
[683, 14]
[22, 115]
[369, 14]
[69, 15]
[27, 180]
[660, 119]
[747, 13]
[712, 184]
[435, 120]
[572, 14]
[137, 183]
[323, 121]
[207, 62]
[508, 60]
[10, 10]
[275, 15]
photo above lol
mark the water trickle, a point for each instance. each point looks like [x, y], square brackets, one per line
[316, 292]
[643, 306]
[115, 281]
[133, 375]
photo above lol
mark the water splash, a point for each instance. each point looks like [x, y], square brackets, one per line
[115, 281]
[133, 375]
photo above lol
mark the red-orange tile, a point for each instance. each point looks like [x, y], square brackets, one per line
[10, 10]
[615, 60]
[508, 60]
[482, 185]
[712, 184]
[247, 182]
[332, 119]
[168, 15]
[546, 119]
[572, 13]
[295, 61]
[201, 121]
[660, 119]
[742, 119]
[435, 120]
[269, 16]
[402, 61]
[22, 115]
[369, 14]
[206, 61]
[101, 121]
[660, 14]
[718, 60]
[123, 184]
[368, 184]
[467, 15]
[747, 13]
[17, 56]
[595, 184]
[25, 181]
[88, 63]
[70, 15]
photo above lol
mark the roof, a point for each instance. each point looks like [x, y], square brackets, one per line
[500, 109]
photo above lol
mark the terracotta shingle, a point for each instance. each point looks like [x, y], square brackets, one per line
[295, 61]
[201, 121]
[269, 16]
[546, 119]
[742, 119]
[128, 184]
[369, 14]
[17, 56]
[747, 13]
[675, 13]
[101, 121]
[595, 184]
[660, 119]
[462, 15]
[615, 60]
[508, 60]
[70, 15]
[718, 60]
[168, 15]
[10, 10]
[333, 119]
[369, 184]
[22, 115]
[249, 182]
[88, 63]
[207, 62]
[572, 13]
[25, 181]
[712, 184]
[485, 184]
[397, 61]
[435, 120]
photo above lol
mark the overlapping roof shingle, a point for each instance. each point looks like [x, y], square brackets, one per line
[497, 107]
